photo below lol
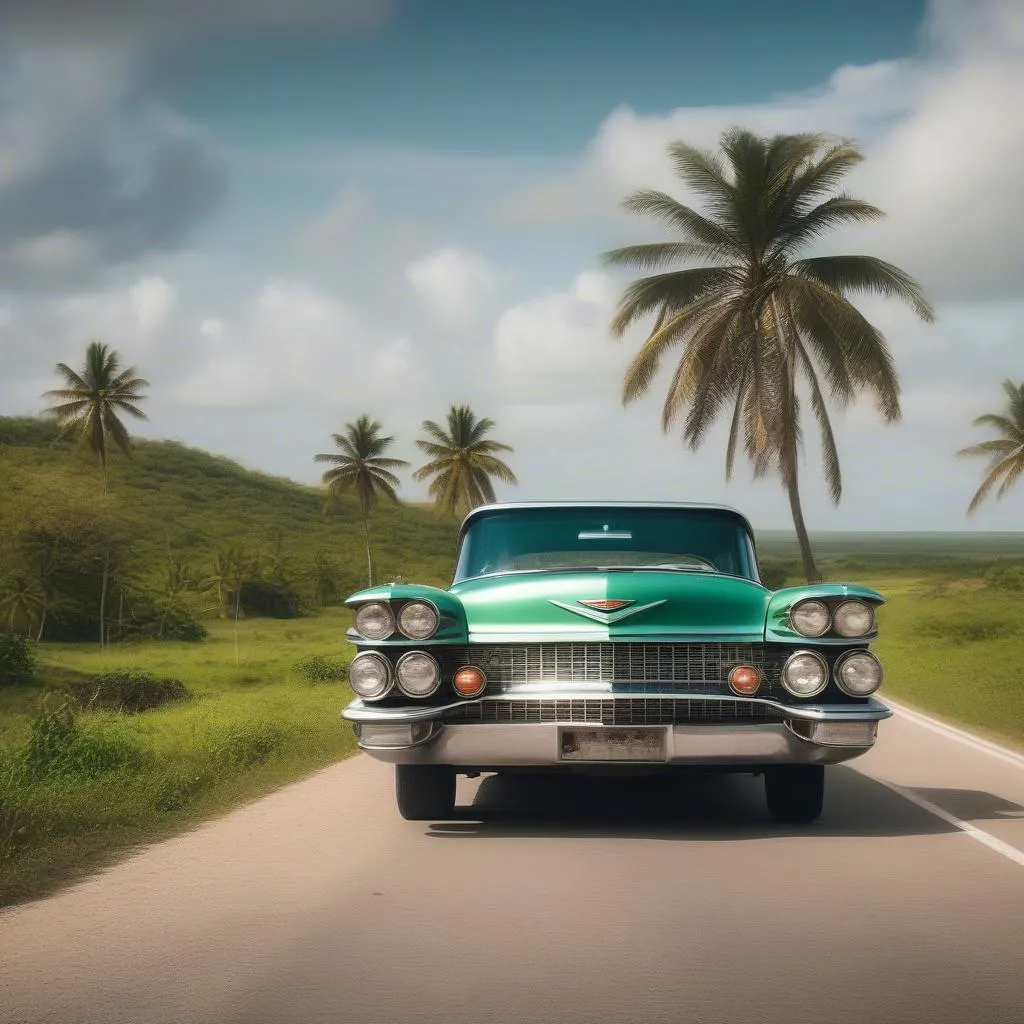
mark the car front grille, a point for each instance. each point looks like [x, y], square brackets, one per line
[621, 711]
[641, 667]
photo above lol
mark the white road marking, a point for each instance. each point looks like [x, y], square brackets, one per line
[1010, 852]
[960, 735]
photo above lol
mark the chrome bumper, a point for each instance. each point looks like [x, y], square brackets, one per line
[814, 734]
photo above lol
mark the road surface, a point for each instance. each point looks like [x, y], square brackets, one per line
[557, 903]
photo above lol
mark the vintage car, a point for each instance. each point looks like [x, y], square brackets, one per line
[611, 636]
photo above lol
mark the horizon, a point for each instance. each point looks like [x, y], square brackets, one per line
[286, 219]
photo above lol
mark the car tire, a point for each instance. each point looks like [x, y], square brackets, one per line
[425, 791]
[795, 793]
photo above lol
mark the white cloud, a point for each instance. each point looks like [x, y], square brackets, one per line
[212, 328]
[456, 284]
[153, 299]
[557, 346]
[295, 347]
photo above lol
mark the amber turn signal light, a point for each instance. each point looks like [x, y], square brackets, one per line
[745, 679]
[469, 681]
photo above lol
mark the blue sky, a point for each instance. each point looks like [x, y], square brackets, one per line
[290, 216]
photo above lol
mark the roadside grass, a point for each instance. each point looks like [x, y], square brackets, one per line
[120, 780]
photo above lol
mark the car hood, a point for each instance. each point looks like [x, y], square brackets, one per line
[663, 604]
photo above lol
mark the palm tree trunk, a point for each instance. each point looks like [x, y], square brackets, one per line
[106, 565]
[811, 572]
[42, 626]
[369, 564]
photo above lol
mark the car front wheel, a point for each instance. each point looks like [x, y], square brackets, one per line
[795, 793]
[424, 791]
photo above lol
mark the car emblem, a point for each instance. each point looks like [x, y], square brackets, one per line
[608, 611]
[605, 606]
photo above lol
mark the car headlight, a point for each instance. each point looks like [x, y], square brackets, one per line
[418, 674]
[805, 674]
[853, 618]
[418, 620]
[369, 675]
[375, 621]
[859, 673]
[810, 618]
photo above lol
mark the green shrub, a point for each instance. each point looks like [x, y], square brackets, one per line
[17, 666]
[776, 571]
[1006, 577]
[269, 599]
[58, 746]
[319, 668]
[967, 629]
[128, 690]
[246, 744]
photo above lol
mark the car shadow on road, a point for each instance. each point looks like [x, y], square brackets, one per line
[701, 807]
[970, 804]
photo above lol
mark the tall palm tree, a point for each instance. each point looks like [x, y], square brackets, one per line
[89, 403]
[462, 462]
[361, 466]
[1006, 452]
[756, 321]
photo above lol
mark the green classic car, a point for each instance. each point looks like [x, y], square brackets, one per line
[609, 637]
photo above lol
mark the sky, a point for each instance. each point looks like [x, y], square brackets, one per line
[287, 216]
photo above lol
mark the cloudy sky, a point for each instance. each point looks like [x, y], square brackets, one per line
[287, 215]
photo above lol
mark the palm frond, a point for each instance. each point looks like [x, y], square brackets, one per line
[865, 274]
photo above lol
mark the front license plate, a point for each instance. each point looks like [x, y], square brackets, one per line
[613, 744]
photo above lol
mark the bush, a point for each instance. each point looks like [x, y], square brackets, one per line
[17, 666]
[129, 690]
[268, 599]
[246, 744]
[58, 745]
[319, 668]
[179, 787]
[776, 571]
[1006, 577]
[967, 629]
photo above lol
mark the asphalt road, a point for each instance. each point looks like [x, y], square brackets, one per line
[564, 902]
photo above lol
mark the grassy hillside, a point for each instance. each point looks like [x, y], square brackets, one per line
[178, 499]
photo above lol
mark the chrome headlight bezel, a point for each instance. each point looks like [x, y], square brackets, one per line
[403, 660]
[858, 603]
[390, 619]
[421, 603]
[846, 657]
[389, 674]
[824, 674]
[803, 604]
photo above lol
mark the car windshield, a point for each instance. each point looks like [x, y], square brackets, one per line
[681, 540]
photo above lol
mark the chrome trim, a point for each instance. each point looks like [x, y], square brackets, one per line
[486, 747]
[608, 618]
[470, 696]
[872, 629]
[437, 619]
[387, 665]
[800, 604]
[824, 682]
[387, 607]
[437, 675]
[872, 711]
[845, 656]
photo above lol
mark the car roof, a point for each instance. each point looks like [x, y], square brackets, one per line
[512, 506]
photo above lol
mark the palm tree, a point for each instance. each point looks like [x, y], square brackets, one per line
[462, 462]
[22, 599]
[89, 402]
[755, 321]
[1006, 452]
[361, 466]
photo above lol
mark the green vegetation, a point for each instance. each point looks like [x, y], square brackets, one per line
[462, 461]
[1006, 452]
[188, 535]
[757, 321]
[105, 750]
